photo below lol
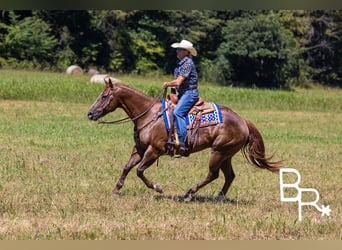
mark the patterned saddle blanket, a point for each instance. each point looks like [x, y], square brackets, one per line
[210, 115]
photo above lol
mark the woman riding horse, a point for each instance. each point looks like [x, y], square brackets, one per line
[186, 83]
[150, 137]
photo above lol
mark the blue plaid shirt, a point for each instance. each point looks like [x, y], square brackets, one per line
[186, 68]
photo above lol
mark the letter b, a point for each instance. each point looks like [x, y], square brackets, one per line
[291, 185]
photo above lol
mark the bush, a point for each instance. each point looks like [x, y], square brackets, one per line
[30, 43]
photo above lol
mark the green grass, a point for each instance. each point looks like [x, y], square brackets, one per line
[57, 87]
[57, 169]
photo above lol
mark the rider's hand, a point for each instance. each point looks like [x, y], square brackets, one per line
[165, 85]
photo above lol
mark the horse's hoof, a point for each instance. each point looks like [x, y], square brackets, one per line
[220, 198]
[187, 197]
[115, 193]
[158, 188]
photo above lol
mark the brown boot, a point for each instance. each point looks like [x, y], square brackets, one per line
[182, 151]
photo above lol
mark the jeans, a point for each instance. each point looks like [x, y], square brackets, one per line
[186, 101]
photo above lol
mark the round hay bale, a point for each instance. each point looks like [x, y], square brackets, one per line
[100, 78]
[92, 72]
[74, 70]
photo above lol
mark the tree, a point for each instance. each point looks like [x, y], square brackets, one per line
[323, 52]
[30, 43]
[258, 51]
[114, 25]
[242, 47]
[80, 41]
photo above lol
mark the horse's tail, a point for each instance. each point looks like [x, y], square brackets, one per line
[254, 150]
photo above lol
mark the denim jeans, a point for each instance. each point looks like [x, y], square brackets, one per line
[186, 101]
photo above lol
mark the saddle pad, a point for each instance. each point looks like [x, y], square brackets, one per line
[207, 119]
[211, 118]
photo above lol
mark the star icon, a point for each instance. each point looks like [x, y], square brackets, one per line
[325, 210]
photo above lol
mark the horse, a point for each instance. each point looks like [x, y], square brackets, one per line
[234, 134]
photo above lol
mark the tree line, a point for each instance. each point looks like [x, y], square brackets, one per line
[253, 48]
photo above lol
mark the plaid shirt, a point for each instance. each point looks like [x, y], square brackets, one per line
[186, 68]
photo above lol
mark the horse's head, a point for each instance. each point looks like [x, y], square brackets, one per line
[105, 102]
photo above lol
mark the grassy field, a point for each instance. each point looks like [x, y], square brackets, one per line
[57, 169]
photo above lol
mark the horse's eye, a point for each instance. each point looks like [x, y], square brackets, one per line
[104, 97]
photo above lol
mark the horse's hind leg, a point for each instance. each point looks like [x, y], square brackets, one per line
[229, 176]
[215, 162]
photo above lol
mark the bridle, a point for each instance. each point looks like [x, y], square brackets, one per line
[161, 93]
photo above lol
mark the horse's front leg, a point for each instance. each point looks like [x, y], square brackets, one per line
[133, 161]
[148, 159]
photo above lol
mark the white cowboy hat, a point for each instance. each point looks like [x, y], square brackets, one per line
[184, 44]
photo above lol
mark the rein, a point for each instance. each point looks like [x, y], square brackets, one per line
[128, 119]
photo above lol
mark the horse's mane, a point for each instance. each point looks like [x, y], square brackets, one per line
[140, 94]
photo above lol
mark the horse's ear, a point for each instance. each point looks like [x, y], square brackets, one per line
[109, 82]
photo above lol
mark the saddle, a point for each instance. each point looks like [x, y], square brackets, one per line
[198, 109]
[199, 106]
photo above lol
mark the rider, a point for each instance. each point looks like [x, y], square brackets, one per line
[186, 83]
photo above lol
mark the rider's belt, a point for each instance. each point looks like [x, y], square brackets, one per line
[192, 88]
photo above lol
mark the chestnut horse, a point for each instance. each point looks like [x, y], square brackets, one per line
[150, 136]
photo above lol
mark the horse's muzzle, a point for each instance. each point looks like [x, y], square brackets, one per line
[92, 116]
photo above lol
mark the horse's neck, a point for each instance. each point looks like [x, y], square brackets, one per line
[133, 101]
